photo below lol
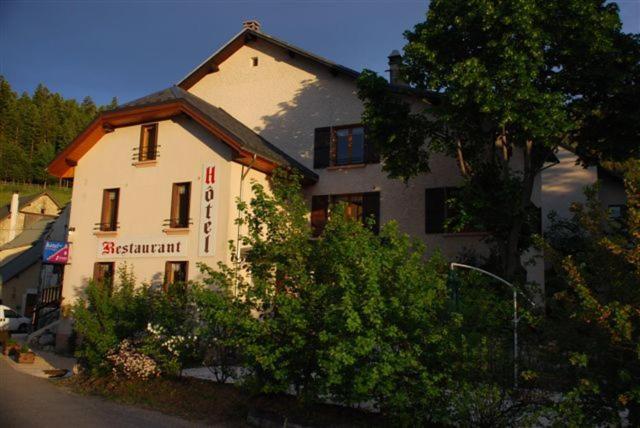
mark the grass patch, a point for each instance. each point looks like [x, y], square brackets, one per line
[61, 194]
[214, 403]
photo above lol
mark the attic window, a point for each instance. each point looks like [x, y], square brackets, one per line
[254, 61]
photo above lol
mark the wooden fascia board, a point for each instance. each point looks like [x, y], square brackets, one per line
[63, 165]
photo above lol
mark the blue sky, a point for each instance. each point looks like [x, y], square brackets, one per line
[131, 48]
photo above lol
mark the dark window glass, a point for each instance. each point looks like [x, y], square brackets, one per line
[104, 273]
[353, 205]
[148, 142]
[110, 202]
[175, 272]
[364, 207]
[180, 200]
[8, 313]
[439, 209]
[348, 145]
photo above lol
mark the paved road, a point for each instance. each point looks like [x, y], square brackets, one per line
[27, 401]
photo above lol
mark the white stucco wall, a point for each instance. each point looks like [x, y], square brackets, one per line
[284, 99]
[145, 198]
[563, 184]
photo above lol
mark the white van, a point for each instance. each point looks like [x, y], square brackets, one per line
[13, 321]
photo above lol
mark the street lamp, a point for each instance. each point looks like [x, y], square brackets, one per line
[515, 313]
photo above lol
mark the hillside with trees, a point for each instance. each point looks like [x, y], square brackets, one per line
[33, 128]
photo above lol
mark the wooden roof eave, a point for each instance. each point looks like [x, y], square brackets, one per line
[63, 165]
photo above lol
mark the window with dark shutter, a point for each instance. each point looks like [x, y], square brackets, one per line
[322, 148]
[371, 154]
[363, 207]
[435, 209]
[371, 210]
[148, 142]
[175, 273]
[343, 145]
[109, 214]
[103, 273]
[180, 200]
[319, 213]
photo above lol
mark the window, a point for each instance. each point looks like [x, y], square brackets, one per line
[343, 145]
[437, 209]
[148, 149]
[109, 216]
[175, 272]
[254, 61]
[180, 199]
[10, 313]
[361, 206]
[617, 212]
[104, 273]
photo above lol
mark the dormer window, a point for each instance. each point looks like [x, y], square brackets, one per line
[148, 149]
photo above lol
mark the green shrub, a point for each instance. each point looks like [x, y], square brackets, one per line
[106, 315]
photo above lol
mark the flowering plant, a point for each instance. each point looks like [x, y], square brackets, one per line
[129, 362]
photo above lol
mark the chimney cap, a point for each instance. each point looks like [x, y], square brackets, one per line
[394, 53]
[251, 24]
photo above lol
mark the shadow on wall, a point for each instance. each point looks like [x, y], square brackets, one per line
[332, 100]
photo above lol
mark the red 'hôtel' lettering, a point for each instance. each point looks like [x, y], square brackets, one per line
[210, 175]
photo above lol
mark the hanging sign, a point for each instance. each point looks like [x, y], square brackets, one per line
[55, 252]
[208, 211]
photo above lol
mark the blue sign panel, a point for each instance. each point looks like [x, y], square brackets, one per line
[55, 252]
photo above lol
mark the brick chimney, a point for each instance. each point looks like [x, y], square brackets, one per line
[395, 61]
[251, 25]
[13, 219]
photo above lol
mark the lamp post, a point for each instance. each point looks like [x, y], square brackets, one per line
[516, 319]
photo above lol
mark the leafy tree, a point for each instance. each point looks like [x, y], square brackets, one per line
[595, 316]
[515, 79]
[352, 316]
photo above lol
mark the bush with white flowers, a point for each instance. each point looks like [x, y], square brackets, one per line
[128, 362]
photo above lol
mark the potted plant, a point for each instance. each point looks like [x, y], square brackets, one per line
[9, 346]
[25, 355]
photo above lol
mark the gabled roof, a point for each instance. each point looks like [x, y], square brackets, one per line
[246, 36]
[25, 200]
[169, 103]
[30, 235]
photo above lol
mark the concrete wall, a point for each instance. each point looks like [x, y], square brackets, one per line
[14, 290]
[284, 99]
[563, 184]
[43, 202]
[145, 199]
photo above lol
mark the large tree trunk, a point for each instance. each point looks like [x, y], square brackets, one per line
[511, 259]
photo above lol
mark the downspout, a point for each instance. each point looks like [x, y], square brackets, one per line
[243, 175]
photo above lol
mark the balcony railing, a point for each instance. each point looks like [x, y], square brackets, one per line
[145, 155]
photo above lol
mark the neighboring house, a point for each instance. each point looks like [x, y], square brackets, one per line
[155, 180]
[23, 275]
[24, 211]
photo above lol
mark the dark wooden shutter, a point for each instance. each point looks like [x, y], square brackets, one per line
[371, 154]
[319, 210]
[97, 272]
[371, 208]
[435, 210]
[322, 148]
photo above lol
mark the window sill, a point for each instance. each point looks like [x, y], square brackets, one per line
[105, 232]
[464, 234]
[176, 230]
[348, 166]
[143, 164]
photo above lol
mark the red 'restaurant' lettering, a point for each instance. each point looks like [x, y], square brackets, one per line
[108, 247]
